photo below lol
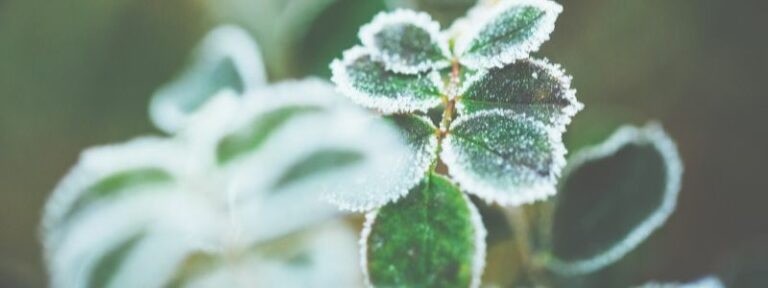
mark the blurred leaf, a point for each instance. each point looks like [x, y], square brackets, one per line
[227, 59]
[748, 268]
[503, 157]
[316, 163]
[432, 238]
[613, 197]
[444, 11]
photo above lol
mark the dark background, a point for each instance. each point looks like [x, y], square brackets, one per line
[78, 73]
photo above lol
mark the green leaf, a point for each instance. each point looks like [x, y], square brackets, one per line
[432, 238]
[251, 137]
[118, 184]
[506, 32]
[109, 264]
[504, 157]
[227, 59]
[531, 87]
[613, 197]
[316, 163]
[406, 42]
[369, 84]
[420, 135]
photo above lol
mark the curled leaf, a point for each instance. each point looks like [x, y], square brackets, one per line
[613, 196]
[432, 238]
[508, 31]
[406, 42]
[504, 157]
[227, 59]
[368, 83]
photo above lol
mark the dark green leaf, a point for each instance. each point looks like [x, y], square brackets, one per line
[431, 238]
[406, 42]
[254, 135]
[613, 197]
[504, 157]
[369, 84]
[506, 32]
[531, 87]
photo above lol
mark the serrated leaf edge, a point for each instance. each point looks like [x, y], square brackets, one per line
[652, 133]
[527, 195]
[383, 104]
[478, 19]
[404, 16]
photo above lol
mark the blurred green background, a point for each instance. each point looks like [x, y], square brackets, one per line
[78, 73]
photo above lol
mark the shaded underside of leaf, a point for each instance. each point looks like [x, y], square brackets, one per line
[370, 84]
[419, 133]
[504, 157]
[431, 238]
[251, 137]
[613, 197]
[316, 163]
[405, 41]
[507, 32]
[532, 87]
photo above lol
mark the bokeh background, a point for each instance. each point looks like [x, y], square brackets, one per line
[78, 73]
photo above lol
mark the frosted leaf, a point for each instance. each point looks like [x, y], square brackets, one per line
[321, 257]
[406, 42]
[420, 135]
[434, 237]
[227, 59]
[369, 84]
[498, 35]
[706, 282]
[532, 87]
[504, 157]
[588, 235]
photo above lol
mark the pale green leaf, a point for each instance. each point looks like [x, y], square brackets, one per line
[613, 197]
[504, 157]
[227, 59]
[432, 238]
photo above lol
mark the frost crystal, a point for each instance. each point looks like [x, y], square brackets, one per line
[369, 84]
[227, 59]
[508, 31]
[406, 42]
[504, 157]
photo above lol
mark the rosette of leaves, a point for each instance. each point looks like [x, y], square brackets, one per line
[470, 98]
[233, 197]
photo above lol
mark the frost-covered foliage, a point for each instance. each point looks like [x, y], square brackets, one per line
[489, 118]
[233, 197]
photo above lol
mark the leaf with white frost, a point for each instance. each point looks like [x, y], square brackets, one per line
[432, 238]
[504, 157]
[532, 87]
[368, 83]
[227, 59]
[406, 42]
[508, 31]
[636, 176]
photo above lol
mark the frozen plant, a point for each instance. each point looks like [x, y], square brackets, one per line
[231, 197]
[484, 118]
